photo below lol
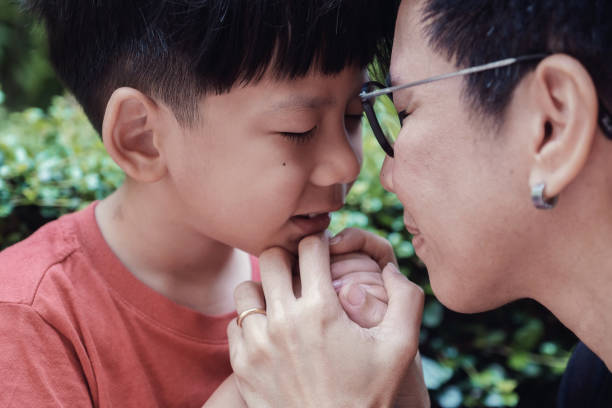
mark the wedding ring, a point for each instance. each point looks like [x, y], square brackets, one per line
[254, 310]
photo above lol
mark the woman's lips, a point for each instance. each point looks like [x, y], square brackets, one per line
[410, 225]
[417, 237]
[309, 224]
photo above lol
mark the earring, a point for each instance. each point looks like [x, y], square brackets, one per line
[537, 197]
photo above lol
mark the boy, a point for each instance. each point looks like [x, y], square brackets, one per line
[238, 127]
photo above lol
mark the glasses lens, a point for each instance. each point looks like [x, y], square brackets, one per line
[383, 117]
[387, 117]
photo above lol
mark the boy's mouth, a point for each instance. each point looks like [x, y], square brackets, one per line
[311, 223]
[308, 216]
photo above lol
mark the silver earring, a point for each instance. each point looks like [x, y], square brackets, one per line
[537, 196]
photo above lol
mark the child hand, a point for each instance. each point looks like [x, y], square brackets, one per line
[358, 258]
[358, 282]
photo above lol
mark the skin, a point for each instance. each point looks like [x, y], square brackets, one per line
[465, 184]
[286, 148]
[307, 353]
[193, 183]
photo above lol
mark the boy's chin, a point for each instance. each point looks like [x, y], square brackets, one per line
[290, 246]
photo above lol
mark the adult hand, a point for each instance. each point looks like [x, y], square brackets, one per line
[306, 352]
[361, 292]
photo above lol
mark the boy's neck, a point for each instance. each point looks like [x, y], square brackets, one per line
[188, 268]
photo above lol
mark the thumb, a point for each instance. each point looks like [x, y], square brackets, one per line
[405, 309]
[362, 307]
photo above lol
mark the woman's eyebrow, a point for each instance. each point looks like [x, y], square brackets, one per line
[403, 95]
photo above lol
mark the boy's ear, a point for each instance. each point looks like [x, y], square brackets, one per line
[131, 134]
[566, 103]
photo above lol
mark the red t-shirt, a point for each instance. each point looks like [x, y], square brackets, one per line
[77, 329]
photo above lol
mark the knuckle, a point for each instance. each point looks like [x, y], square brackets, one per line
[243, 289]
[259, 345]
[270, 255]
[278, 326]
[350, 232]
[417, 292]
[238, 361]
[407, 345]
[386, 245]
[312, 241]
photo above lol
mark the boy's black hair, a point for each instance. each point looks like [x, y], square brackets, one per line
[473, 32]
[179, 50]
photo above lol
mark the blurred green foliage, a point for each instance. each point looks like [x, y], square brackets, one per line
[25, 72]
[52, 162]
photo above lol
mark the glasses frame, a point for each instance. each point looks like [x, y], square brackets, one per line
[604, 116]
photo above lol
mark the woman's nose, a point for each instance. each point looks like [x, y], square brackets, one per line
[386, 174]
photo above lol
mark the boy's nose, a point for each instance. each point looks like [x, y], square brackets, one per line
[386, 174]
[339, 163]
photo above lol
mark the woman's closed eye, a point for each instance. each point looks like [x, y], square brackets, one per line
[403, 115]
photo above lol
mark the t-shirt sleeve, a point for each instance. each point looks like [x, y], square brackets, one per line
[586, 381]
[38, 366]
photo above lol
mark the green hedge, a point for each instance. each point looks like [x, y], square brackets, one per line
[52, 162]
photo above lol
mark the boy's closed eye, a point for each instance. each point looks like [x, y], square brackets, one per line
[300, 137]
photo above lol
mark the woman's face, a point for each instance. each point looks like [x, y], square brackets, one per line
[463, 183]
[268, 161]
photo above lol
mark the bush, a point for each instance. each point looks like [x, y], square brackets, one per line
[27, 76]
[52, 162]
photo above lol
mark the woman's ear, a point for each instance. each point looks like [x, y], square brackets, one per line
[566, 100]
[131, 134]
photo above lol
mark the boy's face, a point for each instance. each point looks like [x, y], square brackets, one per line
[267, 162]
[464, 186]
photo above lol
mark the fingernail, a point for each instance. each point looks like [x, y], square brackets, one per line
[356, 295]
[335, 239]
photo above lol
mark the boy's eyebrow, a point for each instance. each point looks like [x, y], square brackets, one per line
[301, 102]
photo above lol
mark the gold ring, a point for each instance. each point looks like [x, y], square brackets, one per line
[247, 312]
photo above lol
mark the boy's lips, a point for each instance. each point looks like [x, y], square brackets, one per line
[312, 222]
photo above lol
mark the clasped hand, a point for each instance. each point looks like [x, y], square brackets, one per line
[307, 351]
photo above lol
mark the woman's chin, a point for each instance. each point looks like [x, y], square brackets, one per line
[461, 297]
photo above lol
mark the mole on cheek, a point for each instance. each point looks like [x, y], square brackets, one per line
[284, 164]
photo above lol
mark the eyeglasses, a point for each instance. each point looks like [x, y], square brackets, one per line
[376, 97]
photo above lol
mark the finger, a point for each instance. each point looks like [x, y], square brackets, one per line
[315, 273]
[249, 295]
[236, 343]
[357, 240]
[405, 307]
[372, 281]
[377, 291]
[344, 264]
[275, 267]
[362, 307]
